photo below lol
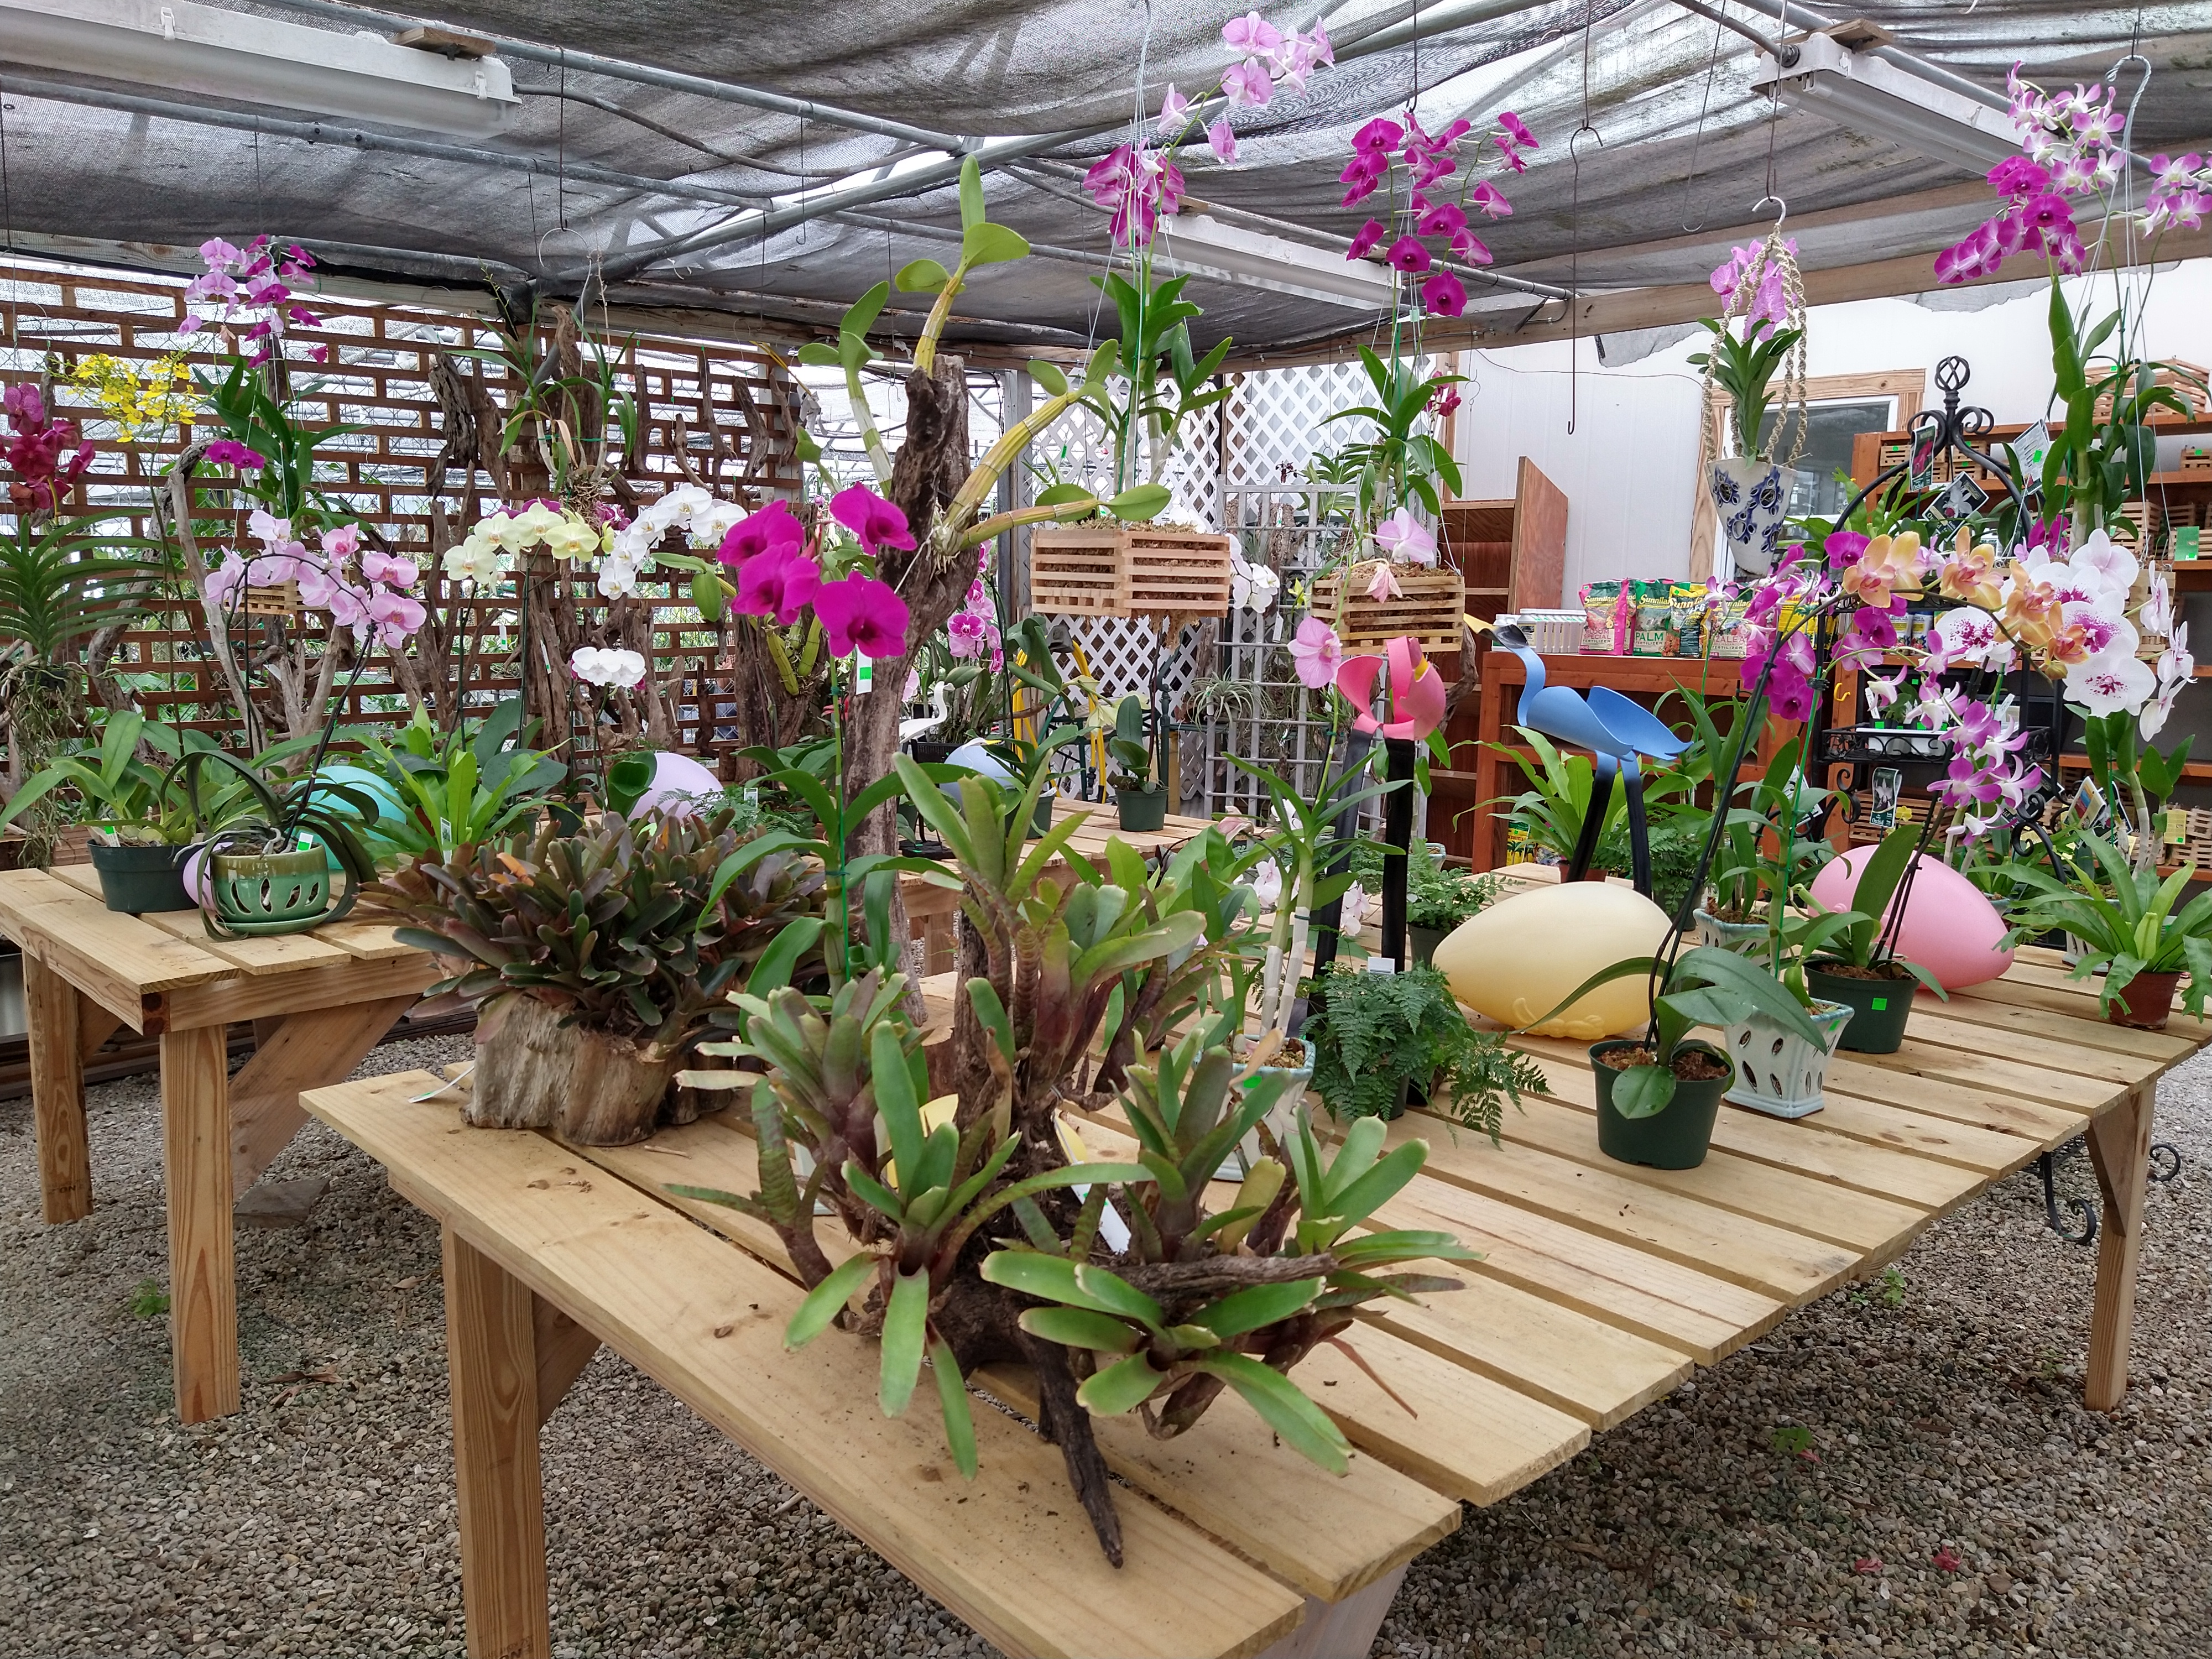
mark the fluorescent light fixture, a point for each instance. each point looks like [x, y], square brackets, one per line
[202, 50]
[1201, 244]
[1873, 96]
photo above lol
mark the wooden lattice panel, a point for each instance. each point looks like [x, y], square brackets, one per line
[1427, 610]
[721, 414]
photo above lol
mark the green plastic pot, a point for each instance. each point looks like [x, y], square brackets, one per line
[1142, 809]
[1040, 820]
[1423, 942]
[286, 892]
[1677, 1138]
[1880, 1005]
[137, 879]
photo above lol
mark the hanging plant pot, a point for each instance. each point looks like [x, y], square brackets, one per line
[2145, 1002]
[1142, 809]
[588, 1086]
[281, 892]
[138, 879]
[1777, 1072]
[1751, 498]
[1677, 1138]
[1426, 609]
[1882, 1005]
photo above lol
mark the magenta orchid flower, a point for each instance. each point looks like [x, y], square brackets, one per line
[778, 583]
[1360, 177]
[1363, 241]
[1444, 295]
[773, 525]
[1489, 200]
[1377, 138]
[1517, 130]
[859, 613]
[229, 451]
[1440, 219]
[1409, 254]
[873, 520]
[1469, 248]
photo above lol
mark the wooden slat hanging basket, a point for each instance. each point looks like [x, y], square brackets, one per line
[1427, 610]
[1128, 570]
[280, 599]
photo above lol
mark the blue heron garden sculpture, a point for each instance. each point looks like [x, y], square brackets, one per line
[1616, 732]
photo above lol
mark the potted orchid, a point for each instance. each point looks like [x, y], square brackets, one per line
[1760, 333]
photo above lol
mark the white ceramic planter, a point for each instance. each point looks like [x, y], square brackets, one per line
[1777, 1072]
[1746, 938]
[1751, 498]
[1280, 1120]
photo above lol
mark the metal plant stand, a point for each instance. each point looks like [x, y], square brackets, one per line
[2165, 1164]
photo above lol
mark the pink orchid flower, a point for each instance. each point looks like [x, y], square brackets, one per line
[859, 613]
[1247, 84]
[1175, 109]
[778, 583]
[773, 525]
[1383, 585]
[870, 517]
[1222, 140]
[1409, 255]
[1251, 35]
[1362, 242]
[229, 451]
[1314, 654]
[1444, 295]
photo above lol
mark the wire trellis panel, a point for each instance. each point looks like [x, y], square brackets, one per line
[723, 415]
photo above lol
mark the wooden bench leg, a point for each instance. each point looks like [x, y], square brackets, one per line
[203, 1277]
[491, 1355]
[51, 1006]
[2119, 1147]
[294, 1052]
[1340, 1629]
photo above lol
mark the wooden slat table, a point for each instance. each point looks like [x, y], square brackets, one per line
[319, 1000]
[1601, 1286]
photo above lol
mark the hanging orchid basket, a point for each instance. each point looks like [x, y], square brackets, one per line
[1372, 603]
[1129, 570]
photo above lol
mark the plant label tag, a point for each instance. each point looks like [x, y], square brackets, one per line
[1880, 1004]
[864, 674]
[2176, 826]
[1962, 499]
[1379, 963]
[2031, 446]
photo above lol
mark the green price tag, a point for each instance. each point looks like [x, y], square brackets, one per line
[1880, 1003]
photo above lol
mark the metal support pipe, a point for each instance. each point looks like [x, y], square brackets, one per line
[348, 137]
[589, 63]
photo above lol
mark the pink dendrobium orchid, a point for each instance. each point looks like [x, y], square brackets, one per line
[1489, 200]
[1364, 238]
[1469, 248]
[1175, 111]
[229, 451]
[1222, 140]
[1378, 138]
[1380, 583]
[1409, 254]
[1315, 651]
[773, 525]
[1251, 36]
[877, 522]
[859, 613]
[1402, 537]
[1444, 295]
[1247, 84]
[778, 583]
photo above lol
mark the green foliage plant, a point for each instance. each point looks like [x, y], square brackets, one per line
[1441, 895]
[134, 801]
[1402, 464]
[1866, 940]
[1377, 1034]
[458, 788]
[1133, 750]
[1744, 367]
[2125, 918]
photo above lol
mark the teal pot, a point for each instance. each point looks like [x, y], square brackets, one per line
[1675, 1138]
[1882, 1006]
[1746, 938]
[1142, 809]
[1777, 1071]
[284, 892]
[1422, 942]
[137, 879]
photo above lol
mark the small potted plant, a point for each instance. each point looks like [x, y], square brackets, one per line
[1383, 1042]
[1750, 489]
[1137, 766]
[2127, 928]
[267, 868]
[1858, 962]
[1658, 1094]
[596, 957]
[143, 825]
[1437, 899]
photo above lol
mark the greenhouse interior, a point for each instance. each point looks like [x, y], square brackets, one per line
[727, 730]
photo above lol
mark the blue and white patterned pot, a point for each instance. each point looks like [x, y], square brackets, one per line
[1751, 498]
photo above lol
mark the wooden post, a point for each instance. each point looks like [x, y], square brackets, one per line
[196, 1163]
[1340, 1629]
[2119, 1147]
[50, 1003]
[491, 1355]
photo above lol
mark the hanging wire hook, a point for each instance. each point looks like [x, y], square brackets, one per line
[1783, 207]
[1574, 271]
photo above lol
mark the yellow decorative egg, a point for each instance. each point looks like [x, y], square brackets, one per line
[1518, 959]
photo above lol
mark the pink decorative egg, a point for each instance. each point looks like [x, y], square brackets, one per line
[1950, 927]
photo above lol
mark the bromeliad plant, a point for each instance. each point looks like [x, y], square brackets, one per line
[456, 789]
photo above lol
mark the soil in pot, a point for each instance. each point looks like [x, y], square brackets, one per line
[1677, 1138]
[1141, 809]
[533, 1072]
[2145, 1001]
[1882, 1000]
[137, 879]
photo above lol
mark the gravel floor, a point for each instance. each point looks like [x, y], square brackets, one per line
[1905, 1469]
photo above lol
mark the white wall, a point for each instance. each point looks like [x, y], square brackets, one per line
[1630, 467]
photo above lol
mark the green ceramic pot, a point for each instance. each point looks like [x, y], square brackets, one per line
[137, 879]
[1142, 809]
[1882, 1006]
[1675, 1138]
[286, 892]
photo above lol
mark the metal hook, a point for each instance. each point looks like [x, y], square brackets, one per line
[1779, 217]
[1577, 132]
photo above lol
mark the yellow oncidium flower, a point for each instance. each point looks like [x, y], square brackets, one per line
[160, 397]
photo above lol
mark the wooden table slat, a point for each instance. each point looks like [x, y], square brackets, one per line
[1978, 1069]
[1025, 1572]
[116, 959]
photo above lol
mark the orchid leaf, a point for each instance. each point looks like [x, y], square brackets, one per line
[818, 354]
[988, 244]
[1146, 502]
[1063, 494]
[921, 276]
[1051, 378]
[1642, 1091]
